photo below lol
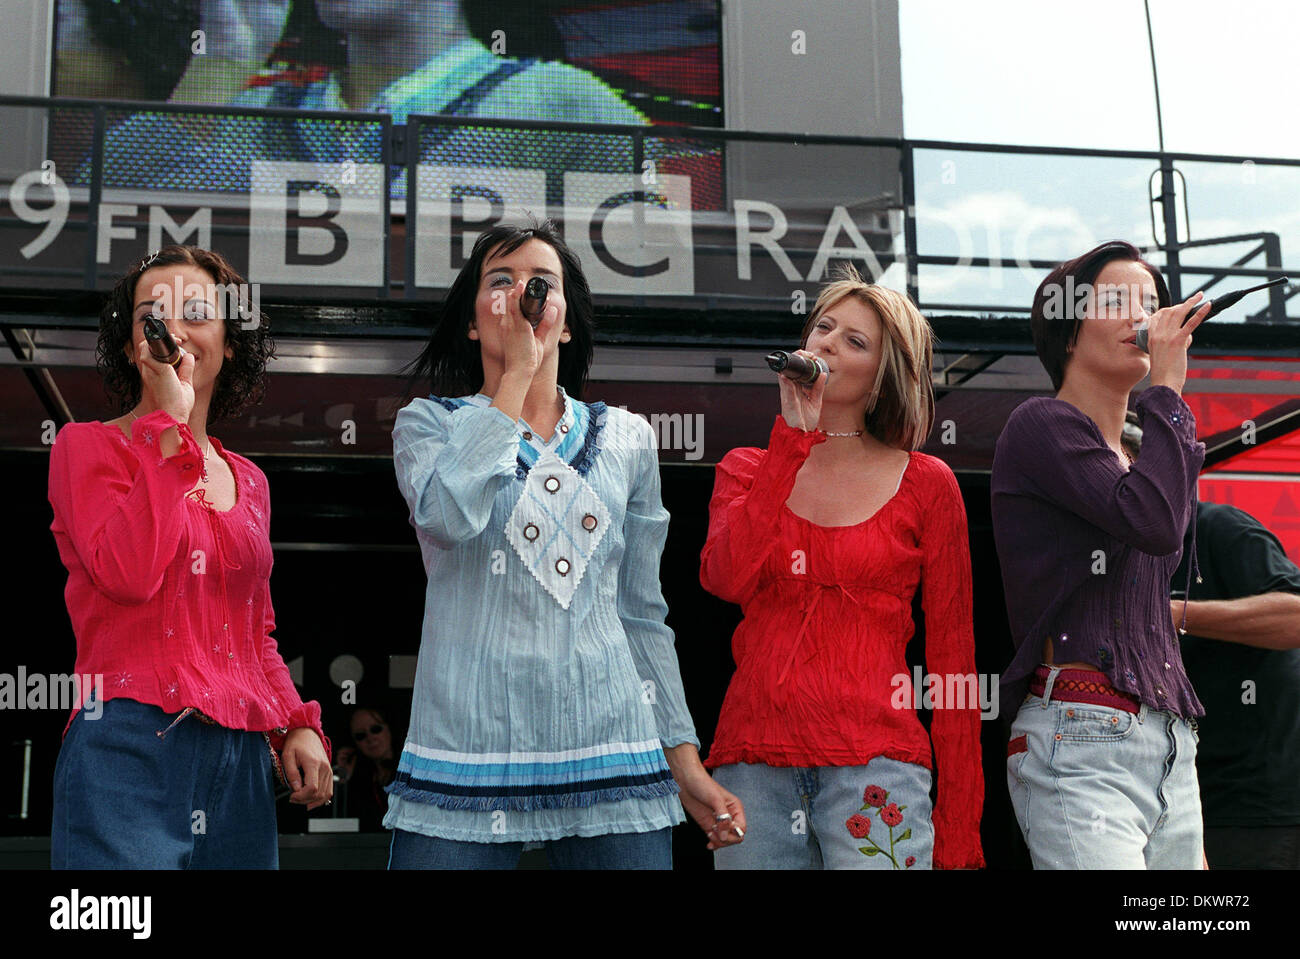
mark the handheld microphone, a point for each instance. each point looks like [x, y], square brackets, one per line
[798, 368]
[161, 345]
[1217, 305]
[533, 302]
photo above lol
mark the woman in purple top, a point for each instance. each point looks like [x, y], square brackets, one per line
[1101, 763]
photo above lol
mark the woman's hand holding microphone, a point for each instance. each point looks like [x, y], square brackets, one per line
[1168, 340]
[168, 388]
[524, 347]
[802, 405]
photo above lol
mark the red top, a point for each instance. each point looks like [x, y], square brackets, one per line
[821, 678]
[170, 599]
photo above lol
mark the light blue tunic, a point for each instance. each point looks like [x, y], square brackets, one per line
[540, 709]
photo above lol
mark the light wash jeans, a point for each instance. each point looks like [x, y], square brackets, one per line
[812, 818]
[627, 850]
[1102, 788]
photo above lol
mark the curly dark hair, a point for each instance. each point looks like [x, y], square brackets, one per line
[242, 380]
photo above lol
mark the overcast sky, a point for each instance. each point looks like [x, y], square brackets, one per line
[1053, 73]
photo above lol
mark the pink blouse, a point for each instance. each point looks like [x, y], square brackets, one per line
[169, 598]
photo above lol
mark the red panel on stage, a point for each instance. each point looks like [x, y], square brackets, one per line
[1275, 503]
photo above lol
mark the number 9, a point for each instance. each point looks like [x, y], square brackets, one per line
[53, 216]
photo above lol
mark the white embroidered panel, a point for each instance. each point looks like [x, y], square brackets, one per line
[556, 526]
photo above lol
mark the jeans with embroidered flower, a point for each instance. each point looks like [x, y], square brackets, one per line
[875, 816]
[200, 797]
[1095, 787]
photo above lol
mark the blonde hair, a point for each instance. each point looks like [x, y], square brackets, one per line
[900, 412]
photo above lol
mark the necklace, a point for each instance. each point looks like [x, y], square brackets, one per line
[203, 471]
[854, 433]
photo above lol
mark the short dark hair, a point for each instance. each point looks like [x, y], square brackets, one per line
[242, 380]
[452, 363]
[1054, 334]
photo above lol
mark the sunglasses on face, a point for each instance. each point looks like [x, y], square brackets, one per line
[374, 730]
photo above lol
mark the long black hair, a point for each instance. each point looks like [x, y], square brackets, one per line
[451, 362]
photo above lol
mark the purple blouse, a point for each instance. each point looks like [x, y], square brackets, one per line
[1087, 548]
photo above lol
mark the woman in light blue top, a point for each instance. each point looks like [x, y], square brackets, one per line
[548, 703]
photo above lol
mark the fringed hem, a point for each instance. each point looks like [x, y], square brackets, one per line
[586, 458]
[571, 800]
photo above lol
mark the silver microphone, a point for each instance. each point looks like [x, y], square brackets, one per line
[798, 368]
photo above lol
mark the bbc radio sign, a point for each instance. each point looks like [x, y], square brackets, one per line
[323, 224]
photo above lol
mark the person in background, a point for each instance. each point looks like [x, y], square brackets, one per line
[823, 539]
[368, 767]
[402, 57]
[1242, 653]
[1101, 761]
[122, 49]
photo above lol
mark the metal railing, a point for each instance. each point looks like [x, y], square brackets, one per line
[399, 153]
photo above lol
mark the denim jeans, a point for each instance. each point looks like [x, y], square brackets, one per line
[1103, 788]
[812, 818]
[202, 797]
[623, 850]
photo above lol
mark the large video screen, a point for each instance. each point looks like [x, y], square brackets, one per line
[361, 144]
[617, 61]
[627, 62]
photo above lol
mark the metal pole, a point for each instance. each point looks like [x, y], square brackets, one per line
[907, 160]
[1276, 294]
[413, 131]
[96, 192]
[27, 777]
[1173, 272]
[1167, 192]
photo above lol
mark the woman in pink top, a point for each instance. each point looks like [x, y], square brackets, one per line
[171, 761]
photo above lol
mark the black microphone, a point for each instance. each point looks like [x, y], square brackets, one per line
[161, 344]
[795, 367]
[533, 302]
[1217, 305]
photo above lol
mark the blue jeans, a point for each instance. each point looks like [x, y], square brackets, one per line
[1102, 788]
[623, 850]
[202, 797]
[813, 818]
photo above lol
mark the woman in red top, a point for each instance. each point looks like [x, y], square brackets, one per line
[822, 539]
[169, 762]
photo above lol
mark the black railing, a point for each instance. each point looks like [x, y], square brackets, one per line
[399, 153]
